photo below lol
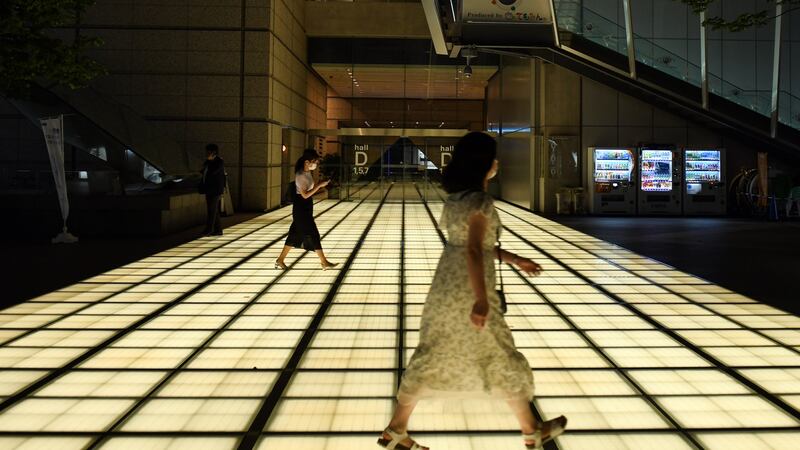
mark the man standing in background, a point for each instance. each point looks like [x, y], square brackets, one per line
[213, 186]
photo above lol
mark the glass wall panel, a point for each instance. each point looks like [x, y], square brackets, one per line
[789, 100]
[740, 63]
[667, 38]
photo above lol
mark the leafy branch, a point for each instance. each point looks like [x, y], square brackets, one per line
[30, 49]
[742, 21]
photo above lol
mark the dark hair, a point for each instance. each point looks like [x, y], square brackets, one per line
[212, 148]
[472, 160]
[309, 154]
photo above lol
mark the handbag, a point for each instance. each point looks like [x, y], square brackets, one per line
[289, 193]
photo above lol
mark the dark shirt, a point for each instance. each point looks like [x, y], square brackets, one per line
[213, 182]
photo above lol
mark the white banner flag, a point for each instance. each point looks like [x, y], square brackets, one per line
[53, 129]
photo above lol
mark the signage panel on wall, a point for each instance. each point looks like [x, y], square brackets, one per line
[360, 159]
[524, 11]
[446, 152]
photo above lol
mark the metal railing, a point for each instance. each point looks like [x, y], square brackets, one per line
[573, 17]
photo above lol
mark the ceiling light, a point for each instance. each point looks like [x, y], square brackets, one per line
[469, 53]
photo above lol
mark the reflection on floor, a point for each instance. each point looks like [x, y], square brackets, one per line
[207, 346]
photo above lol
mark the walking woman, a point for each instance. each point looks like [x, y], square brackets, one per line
[303, 232]
[466, 348]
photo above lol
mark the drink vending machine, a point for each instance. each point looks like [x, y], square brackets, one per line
[610, 173]
[659, 181]
[704, 172]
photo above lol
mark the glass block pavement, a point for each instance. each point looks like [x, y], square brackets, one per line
[206, 346]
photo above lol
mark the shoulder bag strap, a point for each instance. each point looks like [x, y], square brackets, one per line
[499, 260]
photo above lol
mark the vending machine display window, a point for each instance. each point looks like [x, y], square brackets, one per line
[656, 170]
[613, 165]
[703, 166]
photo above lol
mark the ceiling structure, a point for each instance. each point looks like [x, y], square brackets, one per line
[405, 81]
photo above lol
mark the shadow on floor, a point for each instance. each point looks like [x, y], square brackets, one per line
[755, 258]
[36, 267]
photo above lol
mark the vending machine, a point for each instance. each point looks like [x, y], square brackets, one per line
[659, 181]
[704, 173]
[610, 180]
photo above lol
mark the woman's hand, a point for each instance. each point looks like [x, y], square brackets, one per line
[480, 310]
[528, 266]
[322, 184]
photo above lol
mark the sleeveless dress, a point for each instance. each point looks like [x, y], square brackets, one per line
[303, 232]
[453, 359]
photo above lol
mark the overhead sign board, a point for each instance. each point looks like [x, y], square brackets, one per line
[517, 11]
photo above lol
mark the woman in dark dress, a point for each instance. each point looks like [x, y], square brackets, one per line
[303, 232]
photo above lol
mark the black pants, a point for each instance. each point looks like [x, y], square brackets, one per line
[303, 232]
[213, 206]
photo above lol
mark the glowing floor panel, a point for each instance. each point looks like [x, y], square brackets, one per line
[206, 346]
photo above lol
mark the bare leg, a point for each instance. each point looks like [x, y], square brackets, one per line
[402, 413]
[323, 260]
[528, 423]
[399, 422]
[522, 409]
[285, 252]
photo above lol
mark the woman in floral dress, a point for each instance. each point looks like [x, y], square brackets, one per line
[466, 348]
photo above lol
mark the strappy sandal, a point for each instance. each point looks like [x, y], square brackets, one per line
[329, 266]
[395, 442]
[557, 427]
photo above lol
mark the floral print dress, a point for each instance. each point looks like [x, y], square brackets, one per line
[453, 359]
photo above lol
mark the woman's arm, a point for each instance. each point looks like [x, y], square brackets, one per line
[311, 192]
[525, 264]
[505, 255]
[477, 229]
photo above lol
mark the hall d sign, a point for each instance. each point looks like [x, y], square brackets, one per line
[446, 155]
[361, 154]
[528, 11]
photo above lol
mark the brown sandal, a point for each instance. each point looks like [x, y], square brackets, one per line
[395, 442]
[557, 427]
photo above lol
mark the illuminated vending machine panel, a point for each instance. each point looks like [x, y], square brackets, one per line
[611, 180]
[704, 172]
[658, 183]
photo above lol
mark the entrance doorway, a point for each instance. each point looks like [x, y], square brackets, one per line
[385, 159]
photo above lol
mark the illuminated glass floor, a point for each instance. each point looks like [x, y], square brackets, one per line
[206, 346]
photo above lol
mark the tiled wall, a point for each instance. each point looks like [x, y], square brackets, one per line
[298, 96]
[232, 72]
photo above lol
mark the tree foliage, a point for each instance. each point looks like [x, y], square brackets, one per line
[742, 21]
[40, 41]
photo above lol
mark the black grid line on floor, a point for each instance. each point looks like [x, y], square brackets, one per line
[612, 337]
